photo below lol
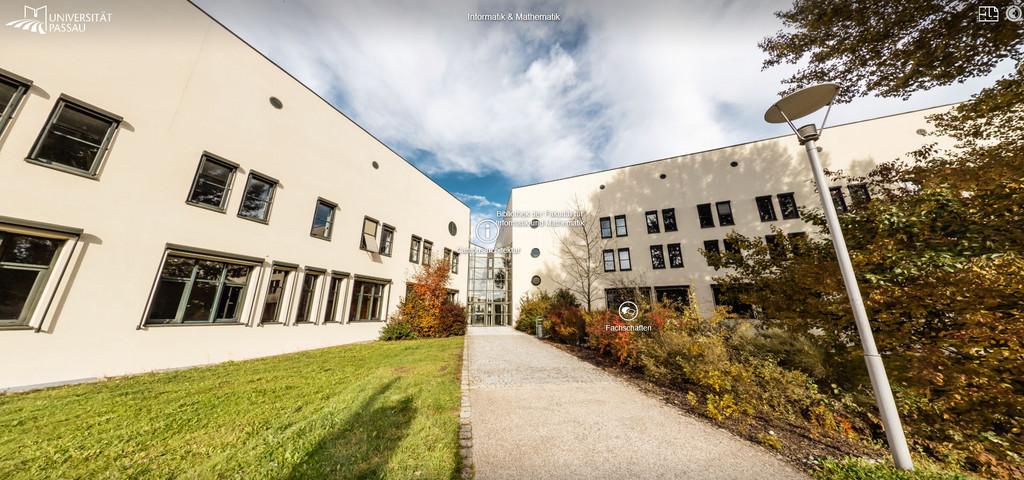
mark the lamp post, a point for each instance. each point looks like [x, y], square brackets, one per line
[797, 105]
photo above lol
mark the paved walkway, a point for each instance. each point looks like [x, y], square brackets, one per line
[540, 413]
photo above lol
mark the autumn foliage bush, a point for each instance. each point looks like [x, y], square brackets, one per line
[426, 309]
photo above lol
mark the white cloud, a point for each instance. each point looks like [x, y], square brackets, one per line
[478, 202]
[536, 101]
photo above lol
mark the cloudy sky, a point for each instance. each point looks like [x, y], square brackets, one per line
[484, 106]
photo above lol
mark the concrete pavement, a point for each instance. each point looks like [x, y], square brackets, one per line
[540, 413]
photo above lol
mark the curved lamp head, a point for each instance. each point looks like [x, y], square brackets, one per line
[802, 103]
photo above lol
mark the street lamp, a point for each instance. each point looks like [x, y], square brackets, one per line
[797, 105]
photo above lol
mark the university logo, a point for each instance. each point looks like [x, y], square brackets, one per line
[34, 20]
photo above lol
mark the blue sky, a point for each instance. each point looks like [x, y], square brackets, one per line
[484, 106]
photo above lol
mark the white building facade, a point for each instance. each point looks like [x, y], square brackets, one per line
[654, 218]
[172, 198]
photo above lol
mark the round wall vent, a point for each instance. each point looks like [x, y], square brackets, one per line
[535, 280]
[535, 252]
[663, 176]
[276, 102]
[452, 228]
[602, 187]
[734, 163]
[375, 165]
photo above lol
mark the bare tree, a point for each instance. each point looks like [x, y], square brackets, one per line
[580, 249]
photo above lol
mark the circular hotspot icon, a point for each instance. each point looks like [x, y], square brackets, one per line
[1014, 13]
[486, 231]
[628, 311]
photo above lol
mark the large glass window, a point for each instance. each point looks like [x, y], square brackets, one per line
[609, 260]
[657, 256]
[212, 186]
[387, 239]
[787, 203]
[275, 295]
[323, 219]
[620, 226]
[198, 290]
[669, 216]
[11, 93]
[25, 265]
[707, 220]
[414, 249]
[368, 240]
[334, 299]
[306, 296]
[765, 208]
[257, 199]
[652, 221]
[606, 227]
[74, 139]
[367, 301]
[675, 255]
[724, 213]
[675, 295]
[730, 298]
[624, 263]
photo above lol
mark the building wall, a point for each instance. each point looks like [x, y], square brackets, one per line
[184, 85]
[767, 167]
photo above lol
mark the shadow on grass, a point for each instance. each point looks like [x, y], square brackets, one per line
[361, 446]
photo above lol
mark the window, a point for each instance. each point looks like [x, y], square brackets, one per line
[257, 198]
[455, 262]
[787, 203]
[11, 92]
[25, 265]
[452, 296]
[74, 139]
[775, 247]
[211, 187]
[732, 247]
[387, 238]
[414, 249]
[675, 255]
[275, 294]
[305, 310]
[606, 227]
[368, 239]
[447, 259]
[367, 300]
[428, 246]
[730, 297]
[669, 217]
[194, 290]
[323, 219]
[657, 256]
[707, 220]
[609, 260]
[617, 296]
[624, 263]
[797, 242]
[724, 213]
[652, 221]
[765, 208]
[859, 194]
[678, 296]
[620, 226]
[839, 199]
[712, 253]
[333, 292]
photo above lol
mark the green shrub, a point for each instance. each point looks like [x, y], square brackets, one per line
[860, 469]
[397, 329]
[532, 307]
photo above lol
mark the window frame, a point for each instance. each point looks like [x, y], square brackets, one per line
[226, 196]
[308, 314]
[415, 244]
[666, 214]
[705, 215]
[455, 262]
[656, 227]
[765, 208]
[629, 259]
[21, 88]
[679, 247]
[47, 278]
[329, 228]
[861, 197]
[605, 221]
[729, 218]
[270, 201]
[335, 297]
[625, 227]
[389, 231]
[357, 300]
[660, 251]
[604, 259]
[289, 270]
[790, 197]
[660, 290]
[102, 149]
[428, 251]
[190, 283]
[838, 199]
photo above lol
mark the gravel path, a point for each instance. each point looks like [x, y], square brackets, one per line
[540, 413]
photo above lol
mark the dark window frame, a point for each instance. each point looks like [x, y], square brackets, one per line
[658, 252]
[604, 259]
[656, 226]
[387, 239]
[189, 285]
[455, 262]
[666, 215]
[329, 226]
[228, 187]
[625, 227]
[304, 313]
[288, 276]
[725, 219]
[705, 215]
[765, 208]
[376, 310]
[629, 259]
[44, 272]
[335, 298]
[428, 251]
[788, 206]
[415, 244]
[679, 248]
[270, 201]
[860, 195]
[603, 222]
[103, 148]
[21, 88]
[839, 199]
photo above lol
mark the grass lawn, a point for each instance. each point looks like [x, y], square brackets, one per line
[378, 410]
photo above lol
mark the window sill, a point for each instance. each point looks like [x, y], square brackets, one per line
[366, 321]
[16, 327]
[207, 207]
[326, 239]
[62, 168]
[254, 219]
[220, 324]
